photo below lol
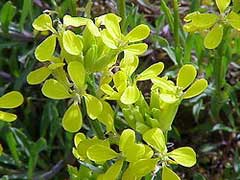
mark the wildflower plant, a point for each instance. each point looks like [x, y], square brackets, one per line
[92, 63]
[219, 28]
[214, 24]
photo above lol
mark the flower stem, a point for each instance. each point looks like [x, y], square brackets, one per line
[122, 12]
[219, 75]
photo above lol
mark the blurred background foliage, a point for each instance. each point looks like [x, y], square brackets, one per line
[37, 145]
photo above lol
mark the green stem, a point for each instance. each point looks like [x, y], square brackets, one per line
[176, 28]
[95, 124]
[122, 12]
[166, 136]
[168, 14]
[219, 77]
[176, 22]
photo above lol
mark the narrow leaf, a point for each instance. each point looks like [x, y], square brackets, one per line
[7, 13]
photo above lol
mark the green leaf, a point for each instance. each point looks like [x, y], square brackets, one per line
[222, 127]
[101, 20]
[94, 106]
[233, 20]
[12, 99]
[130, 95]
[90, 58]
[45, 50]
[136, 49]
[26, 11]
[78, 138]
[7, 117]
[8, 11]
[74, 21]
[184, 156]
[108, 40]
[93, 28]
[196, 88]
[148, 152]
[77, 74]
[151, 72]
[72, 119]
[204, 21]
[190, 16]
[127, 137]
[155, 138]
[37, 76]
[100, 153]
[164, 84]
[133, 152]
[55, 90]
[189, 27]
[112, 25]
[120, 81]
[214, 37]
[139, 169]
[1, 149]
[186, 76]
[43, 23]
[222, 5]
[129, 64]
[107, 89]
[54, 66]
[72, 43]
[85, 144]
[139, 33]
[107, 117]
[169, 98]
[113, 172]
[168, 174]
